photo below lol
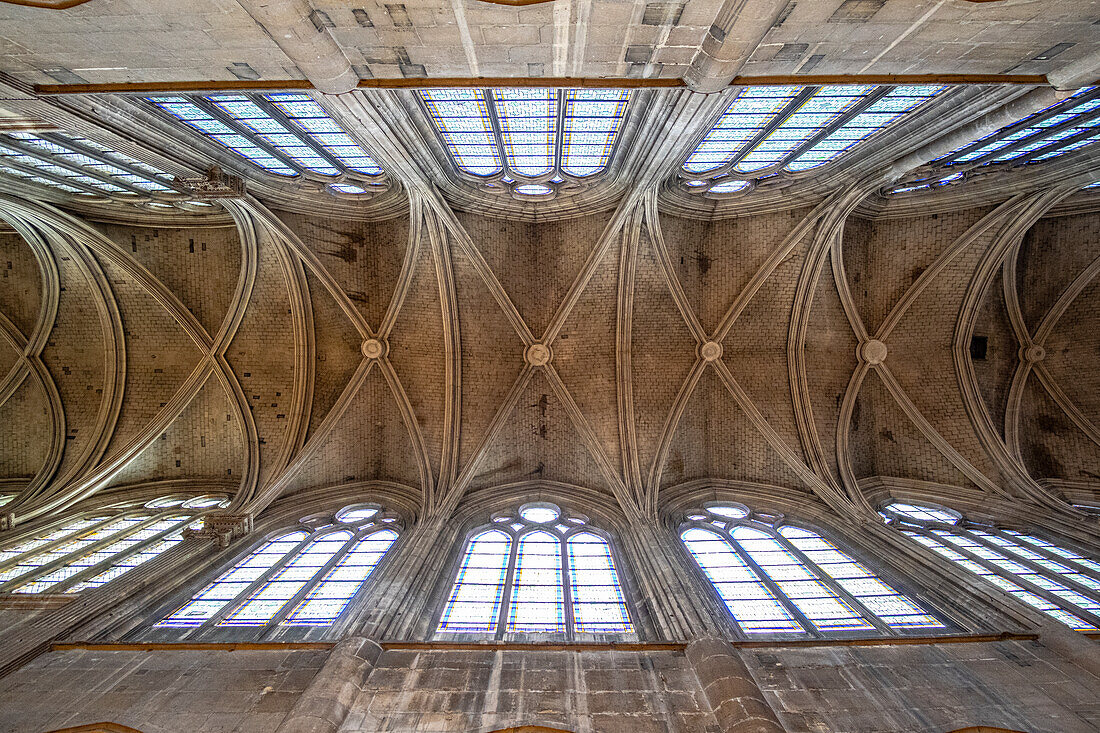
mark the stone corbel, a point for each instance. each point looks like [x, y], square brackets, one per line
[216, 184]
[7, 521]
[222, 528]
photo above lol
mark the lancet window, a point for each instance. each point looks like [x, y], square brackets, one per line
[531, 142]
[769, 130]
[1061, 128]
[1057, 580]
[539, 570]
[301, 576]
[781, 579]
[286, 134]
[81, 167]
[91, 549]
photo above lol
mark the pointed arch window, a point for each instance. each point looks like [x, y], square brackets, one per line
[286, 134]
[769, 130]
[82, 167]
[540, 570]
[1056, 580]
[90, 550]
[300, 577]
[1061, 128]
[531, 142]
[779, 578]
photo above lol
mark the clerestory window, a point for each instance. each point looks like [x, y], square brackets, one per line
[531, 142]
[1061, 128]
[782, 579]
[82, 167]
[1056, 580]
[304, 576]
[539, 570]
[285, 134]
[89, 550]
[770, 130]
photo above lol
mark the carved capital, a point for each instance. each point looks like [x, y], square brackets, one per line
[222, 528]
[216, 184]
[7, 521]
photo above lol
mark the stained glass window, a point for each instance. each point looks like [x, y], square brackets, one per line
[766, 130]
[91, 550]
[283, 133]
[77, 165]
[539, 570]
[792, 580]
[1061, 128]
[1056, 580]
[533, 142]
[302, 577]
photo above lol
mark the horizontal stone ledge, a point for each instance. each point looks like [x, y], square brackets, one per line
[672, 646]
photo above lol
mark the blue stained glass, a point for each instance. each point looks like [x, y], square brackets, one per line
[597, 598]
[312, 119]
[1039, 131]
[813, 598]
[250, 114]
[755, 608]
[537, 602]
[475, 600]
[326, 600]
[462, 118]
[894, 609]
[230, 584]
[528, 119]
[750, 113]
[188, 112]
[102, 172]
[270, 598]
[592, 120]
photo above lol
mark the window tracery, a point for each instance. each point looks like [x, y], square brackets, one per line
[770, 130]
[1061, 128]
[539, 570]
[533, 143]
[286, 134]
[304, 576]
[90, 550]
[1056, 580]
[779, 578]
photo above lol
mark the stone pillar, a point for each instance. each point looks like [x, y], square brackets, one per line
[325, 703]
[735, 698]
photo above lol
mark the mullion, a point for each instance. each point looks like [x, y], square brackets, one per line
[4, 161]
[559, 134]
[567, 590]
[310, 584]
[100, 156]
[1030, 121]
[808, 626]
[232, 604]
[509, 580]
[64, 559]
[1053, 556]
[75, 534]
[107, 563]
[241, 129]
[1047, 572]
[1023, 583]
[498, 139]
[45, 157]
[277, 114]
[836, 587]
[857, 109]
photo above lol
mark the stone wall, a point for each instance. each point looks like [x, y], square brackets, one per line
[1018, 685]
[157, 691]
